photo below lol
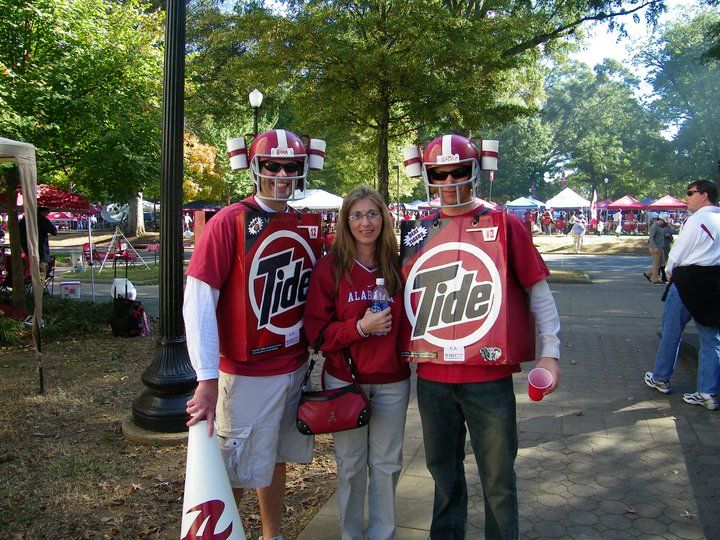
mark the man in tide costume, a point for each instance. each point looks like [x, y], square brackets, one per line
[246, 289]
[473, 283]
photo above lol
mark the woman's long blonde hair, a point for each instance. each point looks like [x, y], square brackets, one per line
[386, 247]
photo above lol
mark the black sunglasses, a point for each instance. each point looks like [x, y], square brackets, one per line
[691, 191]
[274, 167]
[457, 174]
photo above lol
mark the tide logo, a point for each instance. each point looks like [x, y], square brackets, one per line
[279, 280]
[453, 295]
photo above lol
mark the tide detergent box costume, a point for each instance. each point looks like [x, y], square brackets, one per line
[462, 301]
[268, 283]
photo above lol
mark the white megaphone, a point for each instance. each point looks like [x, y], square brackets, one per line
[209, 509]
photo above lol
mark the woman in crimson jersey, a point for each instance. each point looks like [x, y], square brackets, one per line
[365, 248]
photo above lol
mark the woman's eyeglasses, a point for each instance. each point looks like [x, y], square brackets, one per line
[457, 174]
[274, 166]
[372, 215]
[691, 191]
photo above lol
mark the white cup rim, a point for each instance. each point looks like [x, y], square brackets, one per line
[544, 373]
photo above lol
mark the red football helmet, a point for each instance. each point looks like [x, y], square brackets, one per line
[279, 143]
[446, 150]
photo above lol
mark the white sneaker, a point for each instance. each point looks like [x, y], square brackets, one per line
[704, 400]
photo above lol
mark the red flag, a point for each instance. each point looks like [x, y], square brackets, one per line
[492, 176]
[593, 205]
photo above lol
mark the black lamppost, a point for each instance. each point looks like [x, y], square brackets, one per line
[170, 379]
[607, 181]
[255, 98]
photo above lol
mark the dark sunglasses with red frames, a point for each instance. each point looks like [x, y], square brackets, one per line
[457, 174]
[274, 166]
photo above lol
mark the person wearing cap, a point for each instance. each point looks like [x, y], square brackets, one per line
[250, 403]
[693, 293]
[472, 396]
[339, 299]
[656, 244]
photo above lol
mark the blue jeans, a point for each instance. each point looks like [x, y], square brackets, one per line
[487, 411]
[675, 317]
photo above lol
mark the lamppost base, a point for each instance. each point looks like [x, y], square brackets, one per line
[161, 411]
[145, 437]
[170, 383]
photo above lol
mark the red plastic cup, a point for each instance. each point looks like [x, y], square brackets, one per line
[539, 380]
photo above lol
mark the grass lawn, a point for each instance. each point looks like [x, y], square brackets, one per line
[138, 274]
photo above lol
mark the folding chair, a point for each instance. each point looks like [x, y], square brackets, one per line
[125, 254]
[98, 254]
[154, 248]
[6, 283]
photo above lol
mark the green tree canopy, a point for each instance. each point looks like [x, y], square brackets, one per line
[373, 72]
[81, 79]
[687, 89]
[601, 129]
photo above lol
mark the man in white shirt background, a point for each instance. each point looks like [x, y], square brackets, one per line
[694, 292]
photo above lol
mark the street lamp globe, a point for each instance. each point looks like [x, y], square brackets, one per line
[256, 98]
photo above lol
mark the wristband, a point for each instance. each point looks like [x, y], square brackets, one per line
[360, 330]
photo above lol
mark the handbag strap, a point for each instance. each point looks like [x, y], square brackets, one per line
[316, 351]
[353, 372]
[313, 356]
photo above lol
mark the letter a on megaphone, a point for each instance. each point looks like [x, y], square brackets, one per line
[209, 509]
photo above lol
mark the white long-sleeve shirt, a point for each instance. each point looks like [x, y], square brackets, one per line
[547, 320]
[698, 242]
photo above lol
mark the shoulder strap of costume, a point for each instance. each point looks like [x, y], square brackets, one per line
[258, 209]
[251, 206]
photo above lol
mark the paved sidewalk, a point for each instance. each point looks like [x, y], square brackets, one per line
[604, 456]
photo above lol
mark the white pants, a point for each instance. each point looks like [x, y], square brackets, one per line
[375, 449]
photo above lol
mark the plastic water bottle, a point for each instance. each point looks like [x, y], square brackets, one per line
[379, 299]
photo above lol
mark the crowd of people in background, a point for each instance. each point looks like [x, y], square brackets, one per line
[617, 222]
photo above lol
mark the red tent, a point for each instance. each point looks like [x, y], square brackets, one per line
[60, 216]
[668, 202]
[58, 199]
[626, 203]
[602, 205]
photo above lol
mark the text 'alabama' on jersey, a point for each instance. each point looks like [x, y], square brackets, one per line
[376, 358]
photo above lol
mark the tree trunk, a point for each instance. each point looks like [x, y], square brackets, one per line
[13, 229]
[136, 218]
[382, 142]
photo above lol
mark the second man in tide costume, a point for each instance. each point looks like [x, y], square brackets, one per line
[473, 283]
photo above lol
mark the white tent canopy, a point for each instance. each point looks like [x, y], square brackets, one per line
[567, 198]
[525, 202]
[414, 205]
[23, 154]
[317, 199]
